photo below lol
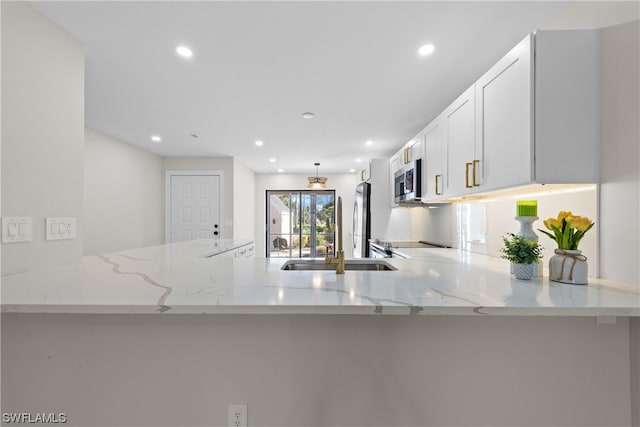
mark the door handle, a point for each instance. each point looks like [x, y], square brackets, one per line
[355, 223]
[466, 175]
[438, 191]
[475, 163]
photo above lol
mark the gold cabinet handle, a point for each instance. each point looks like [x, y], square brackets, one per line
[407, 155]
[438, 191]
[466, 175]
[475, 163]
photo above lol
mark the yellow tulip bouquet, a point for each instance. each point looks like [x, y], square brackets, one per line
[568, 229]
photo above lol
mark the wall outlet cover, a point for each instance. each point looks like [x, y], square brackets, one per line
[237, 415]
[60, 228]
[17, 229]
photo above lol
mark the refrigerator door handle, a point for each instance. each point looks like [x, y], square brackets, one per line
[355, 223]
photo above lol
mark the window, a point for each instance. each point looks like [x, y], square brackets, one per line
[300, 223]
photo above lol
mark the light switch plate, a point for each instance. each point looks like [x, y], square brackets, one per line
[60, 228]
[16, 229]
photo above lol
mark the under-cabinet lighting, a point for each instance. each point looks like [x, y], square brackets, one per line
[524, 193]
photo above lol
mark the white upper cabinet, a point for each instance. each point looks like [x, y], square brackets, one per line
[364, 175]
[433, 174]
[535, 117]
[395, 164]
[531, 118]
[504, 154]
[567, 117]
[462, 161]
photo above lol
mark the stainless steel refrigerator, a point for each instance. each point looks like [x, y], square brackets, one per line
[362, 221]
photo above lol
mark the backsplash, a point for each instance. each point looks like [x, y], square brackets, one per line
[480, 225]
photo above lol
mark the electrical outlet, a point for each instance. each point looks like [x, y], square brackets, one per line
[238, 415]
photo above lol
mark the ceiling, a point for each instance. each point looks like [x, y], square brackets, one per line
[257, 66]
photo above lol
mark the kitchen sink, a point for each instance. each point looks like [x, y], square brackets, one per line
[349, 264]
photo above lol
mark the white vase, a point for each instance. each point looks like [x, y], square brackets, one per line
[524, 271]
[568, 266]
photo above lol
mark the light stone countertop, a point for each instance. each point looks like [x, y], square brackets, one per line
[179, 278]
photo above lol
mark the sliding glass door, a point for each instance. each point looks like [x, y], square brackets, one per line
[300, 223]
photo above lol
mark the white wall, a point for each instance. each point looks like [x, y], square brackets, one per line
[594, 14]
[183, 370]
[620, 170]
[435, 224]
[244, 207]
[343, 184]
[223, 164]
[42, 134]
[620, 152]
[122, 195]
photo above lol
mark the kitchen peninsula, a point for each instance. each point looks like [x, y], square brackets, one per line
[387, 347]
[192, 277]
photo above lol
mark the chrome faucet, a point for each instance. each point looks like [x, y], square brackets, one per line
[339, 258]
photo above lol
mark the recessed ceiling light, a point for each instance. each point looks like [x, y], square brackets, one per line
[272, 160]
[184, 51]
[308, 115]
[259, 143]
[369, 143]
[156, 138]
[358, 160]
[426, 49]
[352, 170]
[280, 170]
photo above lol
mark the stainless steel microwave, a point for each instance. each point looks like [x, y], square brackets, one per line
[408, 183]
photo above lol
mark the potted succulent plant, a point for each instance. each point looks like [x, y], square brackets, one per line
[523, 253]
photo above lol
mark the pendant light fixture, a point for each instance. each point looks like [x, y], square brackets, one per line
[317, 182]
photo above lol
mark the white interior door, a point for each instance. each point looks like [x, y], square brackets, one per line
[194, 207]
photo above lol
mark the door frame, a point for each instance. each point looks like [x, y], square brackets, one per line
[167, 197]
[299, 192]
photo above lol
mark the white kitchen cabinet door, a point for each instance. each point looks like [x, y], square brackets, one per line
[364, 175]
[459, 119]
[433, 175]
[567, 136]
[247, 251]
[395, 163]
[416, 148]
[503, 121]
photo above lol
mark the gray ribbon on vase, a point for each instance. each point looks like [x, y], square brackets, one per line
[574, 257]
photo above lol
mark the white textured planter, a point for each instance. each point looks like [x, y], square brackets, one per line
[568, 266]
[524, 271]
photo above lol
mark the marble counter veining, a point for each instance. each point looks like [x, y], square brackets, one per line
[179, 278]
